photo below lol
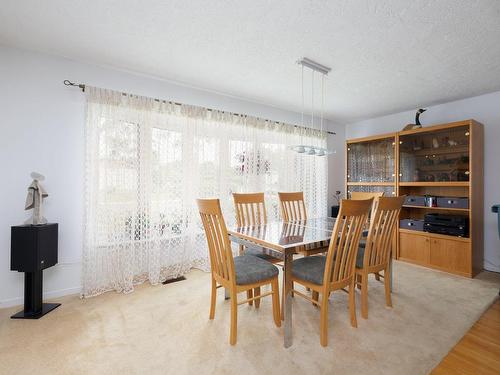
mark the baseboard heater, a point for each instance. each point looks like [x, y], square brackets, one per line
[170, 281]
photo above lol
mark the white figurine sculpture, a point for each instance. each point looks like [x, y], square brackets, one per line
[34, 200]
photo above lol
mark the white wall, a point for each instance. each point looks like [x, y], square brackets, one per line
[42, 130]
[485, 109]
[336, 163]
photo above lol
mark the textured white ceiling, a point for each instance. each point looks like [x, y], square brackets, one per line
[386, 56]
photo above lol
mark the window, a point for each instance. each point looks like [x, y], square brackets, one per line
[146, 164]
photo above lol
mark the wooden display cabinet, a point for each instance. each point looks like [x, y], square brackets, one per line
[446, 161]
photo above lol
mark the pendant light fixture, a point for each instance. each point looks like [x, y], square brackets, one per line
[323, 70]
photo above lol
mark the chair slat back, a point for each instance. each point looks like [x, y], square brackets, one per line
[289, 230]
[292, 206]
[383, 223]
[219, 246]
[361, 195]
[343, 249]
[250, 209]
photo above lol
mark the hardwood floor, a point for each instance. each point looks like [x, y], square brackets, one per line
[478, 352]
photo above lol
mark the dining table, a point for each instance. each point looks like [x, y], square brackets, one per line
[282, 239]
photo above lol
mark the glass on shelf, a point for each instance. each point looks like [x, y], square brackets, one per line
[371, 161]
[438, 156]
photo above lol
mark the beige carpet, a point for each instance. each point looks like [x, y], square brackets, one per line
[165, 330]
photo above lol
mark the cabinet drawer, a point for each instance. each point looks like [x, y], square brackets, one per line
[414, 248]
[451, 255]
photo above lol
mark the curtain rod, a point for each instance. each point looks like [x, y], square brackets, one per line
[81, 86]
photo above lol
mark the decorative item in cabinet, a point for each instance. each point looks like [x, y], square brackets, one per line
[431, 201]
[438, 156]
[371, 161]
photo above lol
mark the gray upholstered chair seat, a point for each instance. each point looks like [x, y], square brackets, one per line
[310, 269]
[257, 253]
[250, 269]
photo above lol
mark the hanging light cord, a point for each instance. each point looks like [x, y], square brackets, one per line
[303, 107]
[312, 100]
[315, 147]
[322, 99]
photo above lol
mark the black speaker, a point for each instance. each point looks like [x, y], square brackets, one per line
[33, 248]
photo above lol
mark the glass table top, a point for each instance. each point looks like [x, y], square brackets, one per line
[285, 235]
[324, 223]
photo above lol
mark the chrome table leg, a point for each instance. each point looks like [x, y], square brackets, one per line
[288, 299]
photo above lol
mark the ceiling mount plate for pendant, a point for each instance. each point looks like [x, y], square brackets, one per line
[314, 65]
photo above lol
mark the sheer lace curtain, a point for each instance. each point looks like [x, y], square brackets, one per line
[146, 163]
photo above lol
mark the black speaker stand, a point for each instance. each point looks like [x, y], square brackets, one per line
[34, 308]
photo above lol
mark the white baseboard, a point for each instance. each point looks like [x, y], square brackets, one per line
[492, 268]
[46, 296]
[61, 280]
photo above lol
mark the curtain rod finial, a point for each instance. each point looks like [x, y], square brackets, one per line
[67, 82]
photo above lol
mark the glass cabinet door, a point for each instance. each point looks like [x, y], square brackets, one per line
[371, 161]
[388, 191]
[438, 156]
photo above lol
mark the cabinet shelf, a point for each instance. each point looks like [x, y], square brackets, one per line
[438, 208]
[444, 167]
[464, 149]
[435, 183]
[349, 183]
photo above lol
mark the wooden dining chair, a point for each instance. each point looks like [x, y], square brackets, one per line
[238, 274]
[361, 195]
[293, 208]
[374, 257]
[335, 271]
[251, 210]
